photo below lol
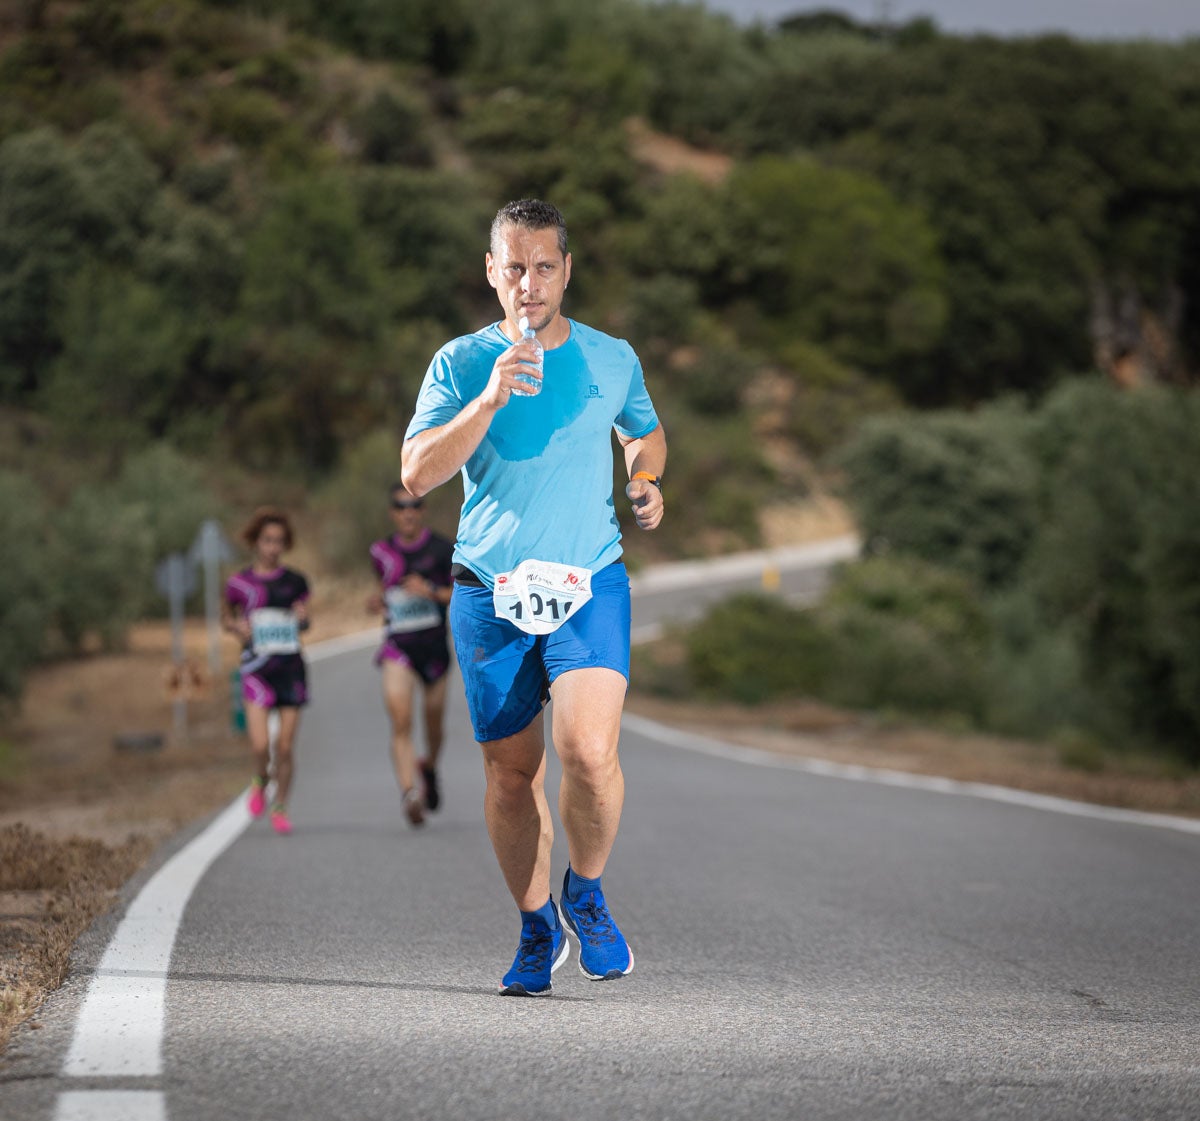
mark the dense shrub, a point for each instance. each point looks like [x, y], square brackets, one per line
[104, 555]
[891, 633]
[393, 131]
[907, 635]
[173, 492]
[1080, 520]
[1115, 555]
[27, 585]
[829, 399]
[953, 489]
[1035, 673]
[753, 648]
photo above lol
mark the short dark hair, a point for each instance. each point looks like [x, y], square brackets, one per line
[530, 214]
[263, 517]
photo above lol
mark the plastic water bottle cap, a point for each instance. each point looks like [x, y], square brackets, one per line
[523, 324]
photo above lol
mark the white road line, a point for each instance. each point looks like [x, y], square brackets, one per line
[692, 741]
[119, 1029]
[120, 1025]
[111, 1105]
[331, 647]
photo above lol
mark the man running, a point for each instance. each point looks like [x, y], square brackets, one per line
[541, 600]
[266, 607]
[413, 566]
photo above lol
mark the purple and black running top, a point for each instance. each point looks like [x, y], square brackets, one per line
[428, 556]
[268, 602]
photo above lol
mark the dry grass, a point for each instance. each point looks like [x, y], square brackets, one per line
[50, 890]
[79, 816]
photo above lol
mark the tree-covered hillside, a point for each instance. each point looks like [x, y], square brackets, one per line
[232, 235]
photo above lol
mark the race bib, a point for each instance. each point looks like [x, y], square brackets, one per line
[407, 612]
[274, 630]
[539, 596]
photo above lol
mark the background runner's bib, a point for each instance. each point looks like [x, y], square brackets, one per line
[407, 612]
[274, 630]
[538, 596]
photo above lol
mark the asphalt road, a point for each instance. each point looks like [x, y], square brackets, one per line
[808, 947]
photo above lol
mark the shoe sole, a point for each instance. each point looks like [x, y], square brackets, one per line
[612, 974]
[517, 989]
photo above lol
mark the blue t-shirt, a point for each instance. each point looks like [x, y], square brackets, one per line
[540, 484]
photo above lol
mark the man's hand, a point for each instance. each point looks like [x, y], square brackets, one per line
[647, 503]
[518, 359]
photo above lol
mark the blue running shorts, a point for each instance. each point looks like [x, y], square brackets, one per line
[508, 673]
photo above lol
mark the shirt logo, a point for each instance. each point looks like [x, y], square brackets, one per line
[594, 391]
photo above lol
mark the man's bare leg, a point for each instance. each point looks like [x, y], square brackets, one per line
[587, 728]
[517, 814]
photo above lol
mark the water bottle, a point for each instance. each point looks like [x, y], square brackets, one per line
[529, 335]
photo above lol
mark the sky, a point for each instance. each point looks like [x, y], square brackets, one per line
[1088, 19]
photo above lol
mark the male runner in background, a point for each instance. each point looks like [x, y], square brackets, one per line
[413, 566]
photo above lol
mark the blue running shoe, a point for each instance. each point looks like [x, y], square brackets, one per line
[604, 954]
[541, 952]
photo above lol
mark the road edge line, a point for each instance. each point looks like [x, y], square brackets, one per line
[850, 772]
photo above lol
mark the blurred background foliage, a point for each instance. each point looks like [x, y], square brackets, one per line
[1027, 570]
[232, 235]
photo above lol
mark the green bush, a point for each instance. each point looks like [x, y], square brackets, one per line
[249, 117]
[1080, 521]
[393, 130]
[714, 382]
[1035, 674]
[907, 635]
[27, 584]
[173, 492]
[123, 371]
[100, 549]
[1115, 555]
[661, 312]
[104, 557]
[753, 648]
[830, 398]
[953, 489]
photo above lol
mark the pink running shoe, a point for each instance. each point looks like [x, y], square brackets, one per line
[280, 822]
[257, 802]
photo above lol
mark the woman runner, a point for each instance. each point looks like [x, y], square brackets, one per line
[266, 607]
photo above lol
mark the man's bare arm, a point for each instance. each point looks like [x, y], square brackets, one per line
[432, 457]
[646, 453]
[649, 454]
